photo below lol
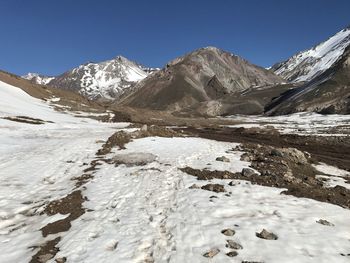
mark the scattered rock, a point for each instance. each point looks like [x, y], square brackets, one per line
[246, 157]
[295, 155]
[45, 257]
[111, 245]
[232, 254]
[61, 260]
[275, 152]
[264, 234]
[248, 172]
[228, 232]
[134, 159]
[194, 186]
[211, 253]
[234, 245]
[217, 188]
[324, 222]
[223, 159]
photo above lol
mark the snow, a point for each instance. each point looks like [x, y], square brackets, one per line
[145, 213]
[302, 123]
[333, 176]
[152, 214]
[313, 62]
[34, 168]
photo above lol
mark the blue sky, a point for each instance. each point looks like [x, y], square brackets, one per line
[53, 36]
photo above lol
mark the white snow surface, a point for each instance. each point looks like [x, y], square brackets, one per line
[333, 176]
[311, 63]
[302, 123]
[146, 213]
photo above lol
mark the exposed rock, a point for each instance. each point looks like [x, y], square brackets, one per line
[248, 172]
[234, 245]
[275, 152]
[324, 222]
[223, 159]
[211, 253]
[132, 159]
[194, 186]
[228, 232]
[232, 254]
[45, 257]
[246, 157]
[264, 234]
[144, 128]
[61, 260]
[217, 188]
[295, 155]
[111, 245]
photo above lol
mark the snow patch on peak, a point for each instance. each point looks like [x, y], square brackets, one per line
[104, 80]
[38, 79]
[310, 63]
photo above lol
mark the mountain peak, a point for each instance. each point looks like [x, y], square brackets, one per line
[310, 63]
[104, 80]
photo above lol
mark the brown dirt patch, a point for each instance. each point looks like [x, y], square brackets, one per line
[46, 252]
[71, 204]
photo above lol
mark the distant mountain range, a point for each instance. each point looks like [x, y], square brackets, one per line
[212, 81]
[106, 80]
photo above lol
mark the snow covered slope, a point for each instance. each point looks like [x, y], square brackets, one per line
[146, 211]
[105, 80]
[309, 64]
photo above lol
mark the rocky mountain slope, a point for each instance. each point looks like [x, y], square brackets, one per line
[328, 93]
[204, 81]
[311, 63]
[97, 81]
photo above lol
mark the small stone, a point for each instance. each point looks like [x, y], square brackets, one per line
[248, 172]
[223, 159]
[144, 128]
[111, 245]
[61, 260]
[232, 254]
[217, 188]
[324, 222]
[234, 245]
[211, 253]
[45, 257]
[275, 152]
[194, 186]
[228, 232]
[264, 234]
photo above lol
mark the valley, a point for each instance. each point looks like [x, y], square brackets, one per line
[209, 159]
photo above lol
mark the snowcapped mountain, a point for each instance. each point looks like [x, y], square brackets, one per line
[38, 79]
[309, 64]
[106, 80]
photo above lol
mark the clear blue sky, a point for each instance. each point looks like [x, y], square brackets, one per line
[52, 36]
